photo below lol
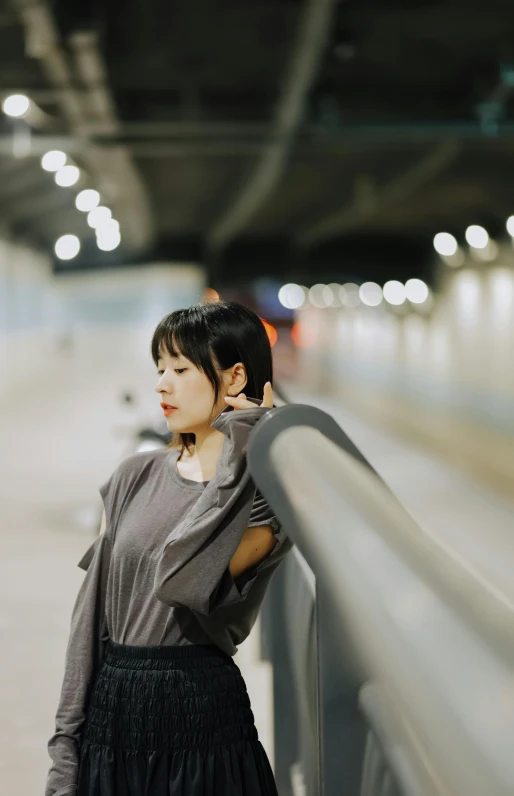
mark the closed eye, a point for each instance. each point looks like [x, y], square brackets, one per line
[177, 370]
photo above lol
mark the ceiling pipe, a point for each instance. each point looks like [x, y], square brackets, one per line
[370, 199]
[303, 68]
[42, 41]
[132, 199]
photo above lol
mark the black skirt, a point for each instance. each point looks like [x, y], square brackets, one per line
[171, 721]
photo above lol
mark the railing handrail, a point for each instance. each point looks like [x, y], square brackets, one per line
[300, 446]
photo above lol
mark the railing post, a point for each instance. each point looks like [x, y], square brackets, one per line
[342, 727]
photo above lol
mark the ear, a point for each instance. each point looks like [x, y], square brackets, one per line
[237, 379]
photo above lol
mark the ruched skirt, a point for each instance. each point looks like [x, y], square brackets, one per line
[171, 721]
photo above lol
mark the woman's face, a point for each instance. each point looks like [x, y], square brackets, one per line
[182, 385]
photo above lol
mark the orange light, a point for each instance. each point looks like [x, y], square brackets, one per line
[271, 332]
[210, 294]
[302, 336]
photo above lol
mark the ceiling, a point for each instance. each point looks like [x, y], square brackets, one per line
[320, 139]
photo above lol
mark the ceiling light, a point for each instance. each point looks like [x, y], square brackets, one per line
[317, 296]
[336, 294]
[349, 295]
[111, 229]
[67, 247]
[87, 200]
[328, 296]
[108, 242]
[416, 291]
[477, 237]
[394, 292]
[67, 176]
[54, 160]
[445, 244]
[16, 105]
[291, 296]
[99, 216]
[370, 294]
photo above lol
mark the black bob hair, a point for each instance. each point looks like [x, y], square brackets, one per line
[214, 336]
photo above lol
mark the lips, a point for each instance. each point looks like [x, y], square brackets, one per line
[168, 406]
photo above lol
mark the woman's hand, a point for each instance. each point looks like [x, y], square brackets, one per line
[241, 402]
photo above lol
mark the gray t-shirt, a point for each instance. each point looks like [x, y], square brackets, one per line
[158, 574]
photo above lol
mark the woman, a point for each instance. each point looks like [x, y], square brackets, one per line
[152, 702]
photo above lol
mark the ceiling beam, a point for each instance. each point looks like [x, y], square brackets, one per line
[303, 68]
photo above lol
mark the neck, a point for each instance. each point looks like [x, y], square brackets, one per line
[208, 442]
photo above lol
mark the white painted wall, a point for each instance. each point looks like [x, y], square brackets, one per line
[459, 356]
[97, 321]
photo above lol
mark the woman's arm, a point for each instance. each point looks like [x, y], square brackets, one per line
[85, 649]
[194, 568]
[256, 544]
[84, 653]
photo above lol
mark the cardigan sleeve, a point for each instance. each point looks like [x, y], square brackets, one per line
[193, 569]
[84, 653]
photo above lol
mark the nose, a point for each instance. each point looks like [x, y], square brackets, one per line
[159, 386]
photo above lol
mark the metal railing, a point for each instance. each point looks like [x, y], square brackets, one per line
[393, 661]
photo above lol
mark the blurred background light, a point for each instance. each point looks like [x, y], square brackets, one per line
[328, 296]
[210, 294]
[292, 296]
[317, 296]
[87, 200]
[108, 239]
[271, 332]
[53, 160]
[16, 105]
[349, 295]
[477, 237]
[416, 291]
[510, 226]
[394, 292]
[303, 335]
[336, 294]
[371, 294]
[99, 216]
[445, 244]
[486, 254]
[67, 176]
[67, 247]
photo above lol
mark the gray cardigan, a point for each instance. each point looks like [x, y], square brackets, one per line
[159, 574]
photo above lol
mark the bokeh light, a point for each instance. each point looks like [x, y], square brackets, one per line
[318, 296]
[416, 291]
[445, 244]
[99, 216]
[87, 200]
[303, 335]
[67, 247]
[16, 105]
[394, 292]
[477, 237]
[271, 332]
[67, 176]
[292, 296]
[349, 295]
[371, 294]
[53, 160]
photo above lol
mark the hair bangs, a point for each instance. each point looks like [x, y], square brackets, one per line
[183, 333]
